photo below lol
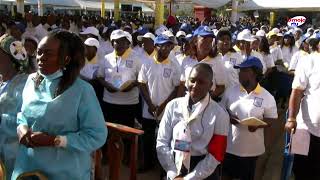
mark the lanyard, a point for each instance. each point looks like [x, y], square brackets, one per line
[3, 88]
[118, 64]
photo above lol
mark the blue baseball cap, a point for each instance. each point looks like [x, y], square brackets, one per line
[186, 27]
[162, 39]
[250, 61]
[142, 30]
[203, 31]
[189, 37]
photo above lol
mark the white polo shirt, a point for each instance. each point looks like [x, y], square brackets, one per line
[307, 78]
[219, 73]
[276, 52]
[287, 54]
[104, 49]
[90, 69]
[145, 57]
[161, 79]
[180, 58]
[124, 68]
[260, 57]
[295, 60]
[268, 60]
[186, 67]
[258, 103]
[229, 60]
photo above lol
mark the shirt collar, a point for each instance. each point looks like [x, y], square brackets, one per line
[94, 60]
[52, 76]
[152, 54]
[208, 58]
[257, 90]
[125, 55]
[166, 61]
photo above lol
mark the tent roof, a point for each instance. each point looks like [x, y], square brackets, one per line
[78, 4]
[211, 3]
[294, 5]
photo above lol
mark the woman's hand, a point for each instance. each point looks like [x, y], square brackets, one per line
[24, 135]
[40, 139]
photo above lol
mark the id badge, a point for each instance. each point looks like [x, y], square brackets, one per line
[181, 145]
[117, 80]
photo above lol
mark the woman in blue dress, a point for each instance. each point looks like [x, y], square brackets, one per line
[60, 122]
[13, 58]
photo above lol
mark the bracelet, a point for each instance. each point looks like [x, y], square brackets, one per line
[291, 120]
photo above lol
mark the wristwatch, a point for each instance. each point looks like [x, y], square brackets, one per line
[57, 141]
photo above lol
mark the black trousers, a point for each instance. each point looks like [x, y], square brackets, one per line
[242, 168]
[149, 143]
[121, 114]
[308, 167]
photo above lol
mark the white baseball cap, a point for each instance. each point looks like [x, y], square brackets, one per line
[30, 37]
[243, 35]
[181, 33]
[147, 35]
[92, 42]
[261, 33]
[276, 30]
[170, 35]
[91, 30]
[119, 33]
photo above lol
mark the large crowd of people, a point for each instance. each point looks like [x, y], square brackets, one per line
[191, 85]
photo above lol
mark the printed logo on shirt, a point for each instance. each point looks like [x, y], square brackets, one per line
[233, 61]
[129, 63]
[166, 73]
[257, 102]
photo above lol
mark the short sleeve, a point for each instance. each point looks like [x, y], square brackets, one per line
[219, 73]
[300, 80]
[176, 75]
[142, 77]
[271, 109]
[101, 68]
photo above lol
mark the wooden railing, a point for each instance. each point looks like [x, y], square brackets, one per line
[117, 133]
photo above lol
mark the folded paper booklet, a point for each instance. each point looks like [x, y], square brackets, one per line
[122, 86]
[252, 121]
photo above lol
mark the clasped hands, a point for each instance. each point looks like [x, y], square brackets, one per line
[35, 139]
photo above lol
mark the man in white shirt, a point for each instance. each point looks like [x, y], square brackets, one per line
[159, 81]
[304, 117]
[192, 134]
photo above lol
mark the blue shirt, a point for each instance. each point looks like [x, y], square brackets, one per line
[10, 105]
[75, 114]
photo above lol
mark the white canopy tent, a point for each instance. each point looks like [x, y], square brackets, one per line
[77, 4]
[265, 4]
[211, 3]
[68, 3]
[95, 5]
[292, 5]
